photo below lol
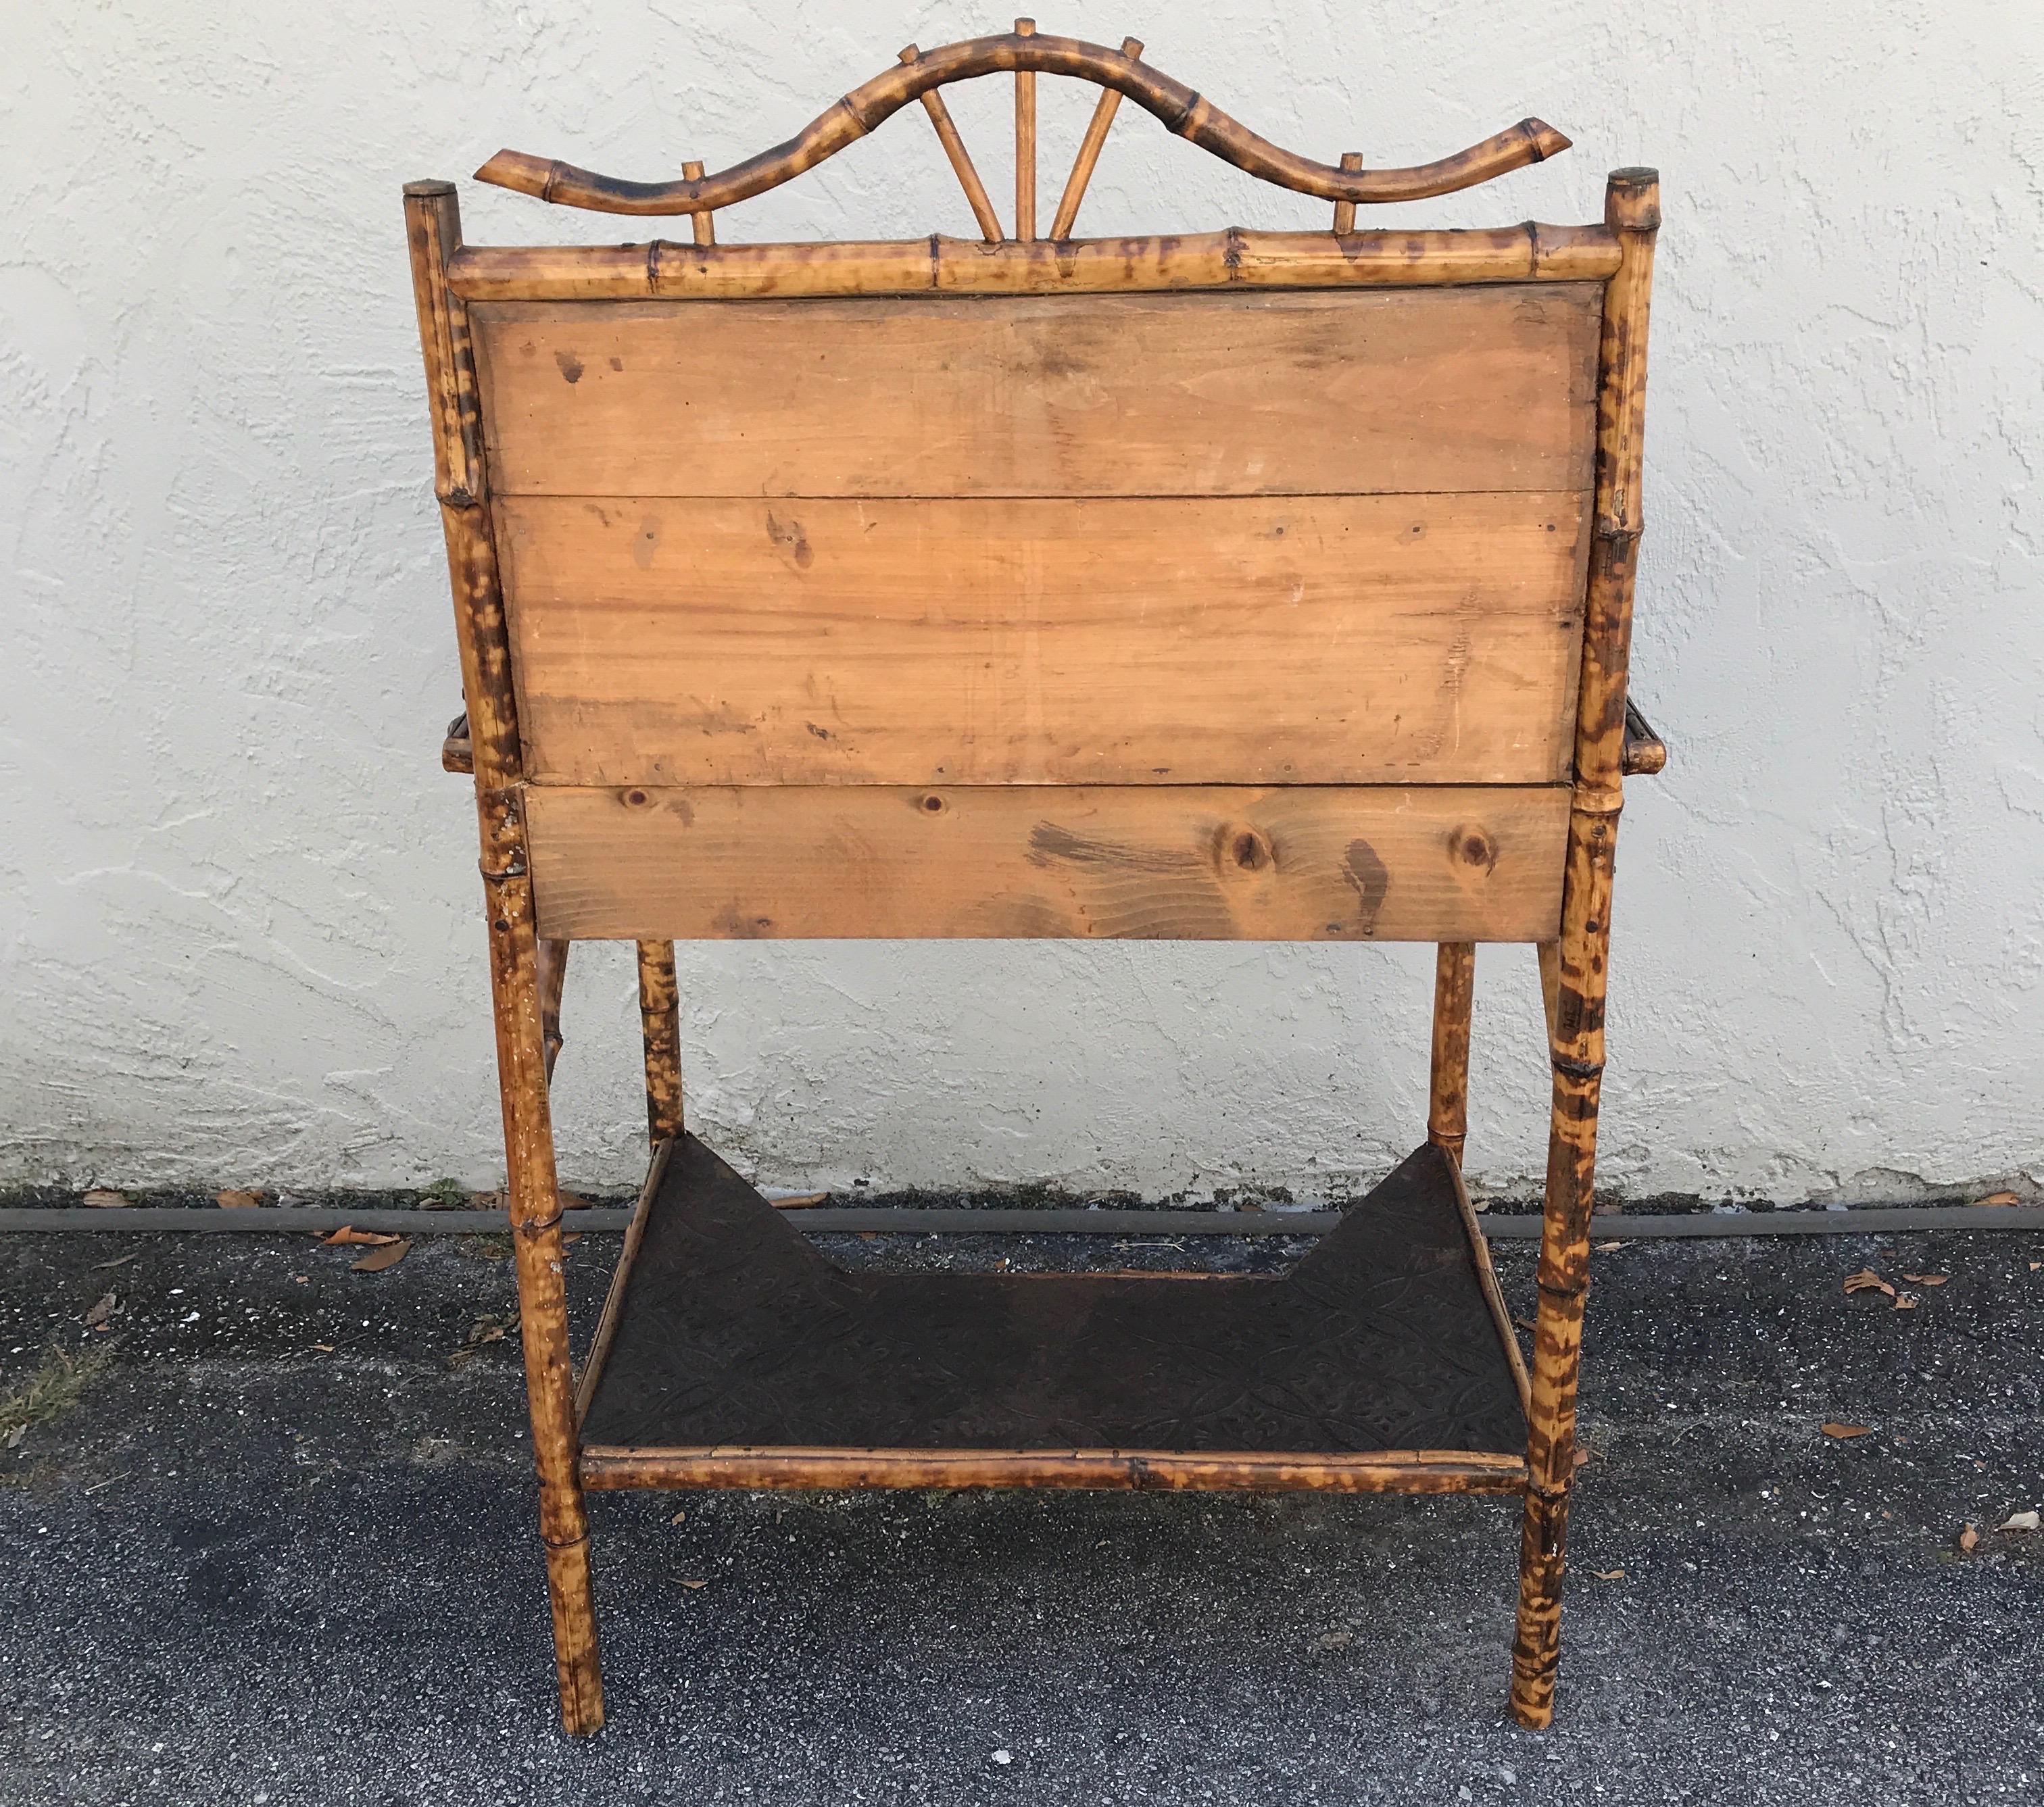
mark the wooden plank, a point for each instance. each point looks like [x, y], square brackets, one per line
[1158, 863]
[1308, 640]
[1291, 394]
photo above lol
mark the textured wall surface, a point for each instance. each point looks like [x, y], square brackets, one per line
[239, 915]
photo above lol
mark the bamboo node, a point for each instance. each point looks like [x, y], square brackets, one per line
[580, 1536]
[501, 874]
[538, 1226]
[1578, 1070]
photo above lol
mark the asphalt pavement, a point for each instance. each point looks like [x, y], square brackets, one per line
[274, 1542]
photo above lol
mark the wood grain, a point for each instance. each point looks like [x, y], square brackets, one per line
[1480, 388]
[1314, 640]
[1169, 862]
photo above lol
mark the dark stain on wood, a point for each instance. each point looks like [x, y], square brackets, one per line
[1364, 871]
[1049, 842]
[570, 366]
[789, 536]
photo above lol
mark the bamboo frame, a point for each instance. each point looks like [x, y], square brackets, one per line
[1190, 115]
[1632, 208]
[613, 1300]
[705, 223]
[1231, 258]
[1345, 210]
[961, 163]
[553, 968]
[433, 224]
[659, 1019]
[1447, 1106]
[1613, 740]
[1391, 1471]
[1089, 149]
[1025, 141]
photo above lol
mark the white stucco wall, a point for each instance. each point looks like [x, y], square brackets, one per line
[239, 916]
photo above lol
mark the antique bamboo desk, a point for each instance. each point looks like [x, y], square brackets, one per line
[1248, 586]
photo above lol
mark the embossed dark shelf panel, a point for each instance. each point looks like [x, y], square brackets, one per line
[740, 1356]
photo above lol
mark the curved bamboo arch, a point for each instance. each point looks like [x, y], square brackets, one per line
[1120, 72]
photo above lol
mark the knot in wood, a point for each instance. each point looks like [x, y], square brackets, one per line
[1248, 849]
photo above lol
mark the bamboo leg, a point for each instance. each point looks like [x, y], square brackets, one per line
[433, 224]
[535, 1222]
[659, 1018]
[1577, 1050]
[553, 978]
[1447, 1108]
[1580, 962]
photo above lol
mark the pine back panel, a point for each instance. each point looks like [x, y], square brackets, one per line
[1316, 538]
[1238, 614]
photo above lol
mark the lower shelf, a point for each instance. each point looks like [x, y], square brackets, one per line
[733, 1353]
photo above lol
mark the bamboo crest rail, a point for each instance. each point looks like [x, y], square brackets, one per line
[1026, 54]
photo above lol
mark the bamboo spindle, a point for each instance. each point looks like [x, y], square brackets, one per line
[1345, 210]
[948, 135]
[703, 224]
[1089, 147]
[659, 1019]
[1632, 209]
[553, 981]
[1025, 143]
[1454, 985]
[1549, 954]
[433, 225]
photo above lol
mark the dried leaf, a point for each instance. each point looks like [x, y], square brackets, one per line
[1968, 1540]
[1605, 1248]
[695, 1584]
[1999, 1199]
[1832, 1428]
[679, 1518]
[2019, 1521]
[104, 1307]
[1926, 1279]
[2035, 1265]
[106, 1200]
[119, 1260]
[13, 1440]
[1609, 1574]
[1531, 1324]
[1905, 1302]
[377, 1260]
[237, 1199]
[1582, 1457]
[573, 1201]
[368, 1238]
[572, 1237]
[1867, 1281]
[802, 1203]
